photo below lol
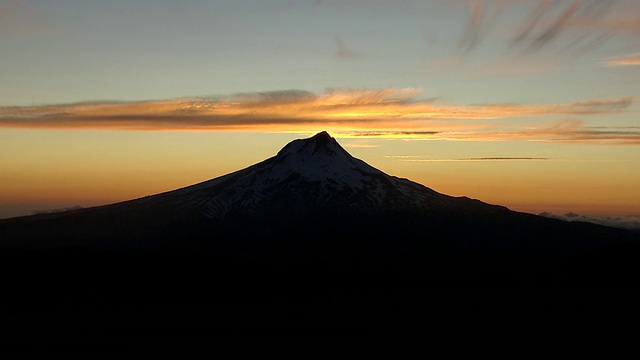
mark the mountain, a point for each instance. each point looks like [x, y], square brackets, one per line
[314, 201]
[307, 179]
[311, 241]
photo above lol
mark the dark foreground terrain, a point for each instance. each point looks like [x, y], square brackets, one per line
[76, 304]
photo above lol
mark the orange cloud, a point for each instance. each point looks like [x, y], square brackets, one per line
[626, 60]
[420, 158]
[564, 131]
[397, 113]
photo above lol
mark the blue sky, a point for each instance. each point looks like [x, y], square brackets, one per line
[68, 51]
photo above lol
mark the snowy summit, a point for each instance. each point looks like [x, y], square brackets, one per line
[310, 172]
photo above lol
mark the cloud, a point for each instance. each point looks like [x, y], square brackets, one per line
[625, 60]
[546, 33]
[402, 156]
[359, 113]
[278, 96]
[482, 16]
[52, 211]
[629, 222]
[616, 137]
[503, 159]
[529, 26]
[563, 131]
[575, 131]
[19, 18]
[527, 38]
[342, 51]
[387, 134]
[599, 106]
[588, 107]
[413, 158]
[571, 131]
[360, 146]
[579, 24]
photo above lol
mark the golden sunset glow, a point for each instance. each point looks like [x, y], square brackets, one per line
[626, 60]
[397, 113]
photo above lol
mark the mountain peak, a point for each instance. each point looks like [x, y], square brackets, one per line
[321, 144]
[322, 137]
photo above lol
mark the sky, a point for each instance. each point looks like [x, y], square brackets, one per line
[529, 104]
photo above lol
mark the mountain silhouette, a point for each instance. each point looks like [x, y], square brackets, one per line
[315, 203]
[310, 228]
[310, 184]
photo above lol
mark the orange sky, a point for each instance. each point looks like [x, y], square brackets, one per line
[48, 169]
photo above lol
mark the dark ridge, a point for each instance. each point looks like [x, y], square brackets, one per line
[322, 138]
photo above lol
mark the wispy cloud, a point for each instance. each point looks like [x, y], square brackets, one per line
[403, 156]
[411, 158]
[625, 60]
[533, 37]
[626, 222]
[360, 146]
[482, 16]
[387, 134]
[564, 131]
[52, 211]
[578, 24]
[19, 18]
[342, 51]
[546, 25]
[385, 113]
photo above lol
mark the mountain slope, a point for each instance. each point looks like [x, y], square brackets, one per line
[314, 202]
[305, 175]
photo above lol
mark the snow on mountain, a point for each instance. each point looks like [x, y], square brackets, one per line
[311, 183]
[314, 172]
